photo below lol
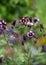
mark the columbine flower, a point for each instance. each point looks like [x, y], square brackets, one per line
[13, 24]
[41, 27]
[36, 20]
[29, 24]
[30, 18]
[22, 21]
[30, 34]
[3, 24]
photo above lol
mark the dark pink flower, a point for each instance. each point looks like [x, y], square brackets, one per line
[30, 34]
[22, 21]
[3, 24]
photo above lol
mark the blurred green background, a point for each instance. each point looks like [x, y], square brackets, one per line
[13, 9]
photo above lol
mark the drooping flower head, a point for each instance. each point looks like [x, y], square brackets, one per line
[41, 27]
[36, 20]
[13, 24]
[3, 24]
[22, 21]
[30, 18]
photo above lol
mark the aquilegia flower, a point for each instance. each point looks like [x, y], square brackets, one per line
[3, 24]
[22, 21]
[30, 34]
[30, 18]
[30, 24]
[36, 19]
[13, 24]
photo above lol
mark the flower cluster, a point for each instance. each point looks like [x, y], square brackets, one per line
[28, 22]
